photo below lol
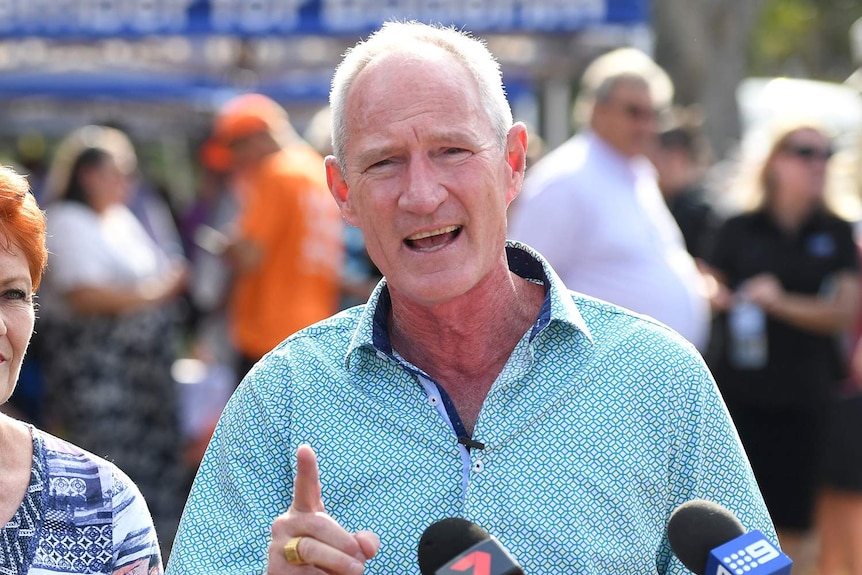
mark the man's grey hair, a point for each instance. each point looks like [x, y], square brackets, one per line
[405, 37]
[623, 65]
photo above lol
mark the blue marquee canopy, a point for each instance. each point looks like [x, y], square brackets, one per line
[124, 18]
[87, 22]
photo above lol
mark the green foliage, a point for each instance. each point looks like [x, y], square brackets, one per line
[804, 38]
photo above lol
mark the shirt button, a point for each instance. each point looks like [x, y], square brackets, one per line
[478, 466]
[433, 400]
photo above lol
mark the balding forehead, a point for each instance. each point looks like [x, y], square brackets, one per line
[434, 70]
[436, 57]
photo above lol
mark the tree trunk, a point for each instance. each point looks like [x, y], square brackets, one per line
[703, 44]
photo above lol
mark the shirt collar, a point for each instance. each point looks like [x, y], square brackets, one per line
[372, 330]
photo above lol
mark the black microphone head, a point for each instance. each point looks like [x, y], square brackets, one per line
[444, 540]
[697, 527]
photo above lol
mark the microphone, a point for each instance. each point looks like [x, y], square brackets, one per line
[455, 546]
[709, 540]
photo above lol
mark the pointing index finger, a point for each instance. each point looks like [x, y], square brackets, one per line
[307, 497]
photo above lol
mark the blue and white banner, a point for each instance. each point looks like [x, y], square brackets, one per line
[127, 18]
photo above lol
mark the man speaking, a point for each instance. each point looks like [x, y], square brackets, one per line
[472, 384]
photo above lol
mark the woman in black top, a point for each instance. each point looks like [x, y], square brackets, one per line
[788, 291]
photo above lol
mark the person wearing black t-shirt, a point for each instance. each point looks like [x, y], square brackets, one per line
[787, 271]
[681, 157]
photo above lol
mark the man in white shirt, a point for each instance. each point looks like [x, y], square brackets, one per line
[593, 207]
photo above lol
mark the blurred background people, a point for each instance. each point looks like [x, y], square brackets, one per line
[285, 246]
[214, 208]
[63, 510]
[839, 503]
[109, 325]
[788, 273]
[681, 158]
[359, 275]
[594, 209]
[207, 375]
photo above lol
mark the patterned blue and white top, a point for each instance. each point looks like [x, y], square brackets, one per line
[81, 514]
[601, 423]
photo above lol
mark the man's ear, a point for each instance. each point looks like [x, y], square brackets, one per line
[339, 189]
[516, 157]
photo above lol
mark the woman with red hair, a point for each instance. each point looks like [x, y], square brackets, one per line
[62, 509]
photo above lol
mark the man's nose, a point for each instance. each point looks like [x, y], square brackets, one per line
[423, 191]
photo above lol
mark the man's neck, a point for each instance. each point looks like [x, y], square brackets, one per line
[465, 343]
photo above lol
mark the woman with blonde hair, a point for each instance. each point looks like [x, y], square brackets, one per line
[109, 325]
[62, 509]
[788, 275]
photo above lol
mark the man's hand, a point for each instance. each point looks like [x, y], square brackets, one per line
[325, 546]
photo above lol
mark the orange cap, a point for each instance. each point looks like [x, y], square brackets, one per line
[215, 156]
[239, 118]
[246, 115]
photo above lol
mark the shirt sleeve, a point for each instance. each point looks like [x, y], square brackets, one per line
[70, 234]
[708, 459]
[244, 482]
[848, 251]
[136, 546]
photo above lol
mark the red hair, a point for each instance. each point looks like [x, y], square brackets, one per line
[22, 223]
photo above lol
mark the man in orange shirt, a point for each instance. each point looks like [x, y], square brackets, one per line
[286, 247]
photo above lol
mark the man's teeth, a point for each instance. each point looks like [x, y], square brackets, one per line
[446, 230]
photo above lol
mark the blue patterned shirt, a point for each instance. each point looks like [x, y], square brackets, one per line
[80, 515]
[599, 425]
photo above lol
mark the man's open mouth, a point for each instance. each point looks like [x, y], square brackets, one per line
[433, 239]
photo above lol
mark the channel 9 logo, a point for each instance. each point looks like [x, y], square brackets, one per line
[749, 554]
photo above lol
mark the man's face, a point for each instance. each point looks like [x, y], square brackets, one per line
[627, 118]
[425, 178]
[248, 151]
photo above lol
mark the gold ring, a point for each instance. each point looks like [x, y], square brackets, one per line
[291, 552]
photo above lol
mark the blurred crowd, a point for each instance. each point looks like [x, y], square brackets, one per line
[753, 258]
[149, 316]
